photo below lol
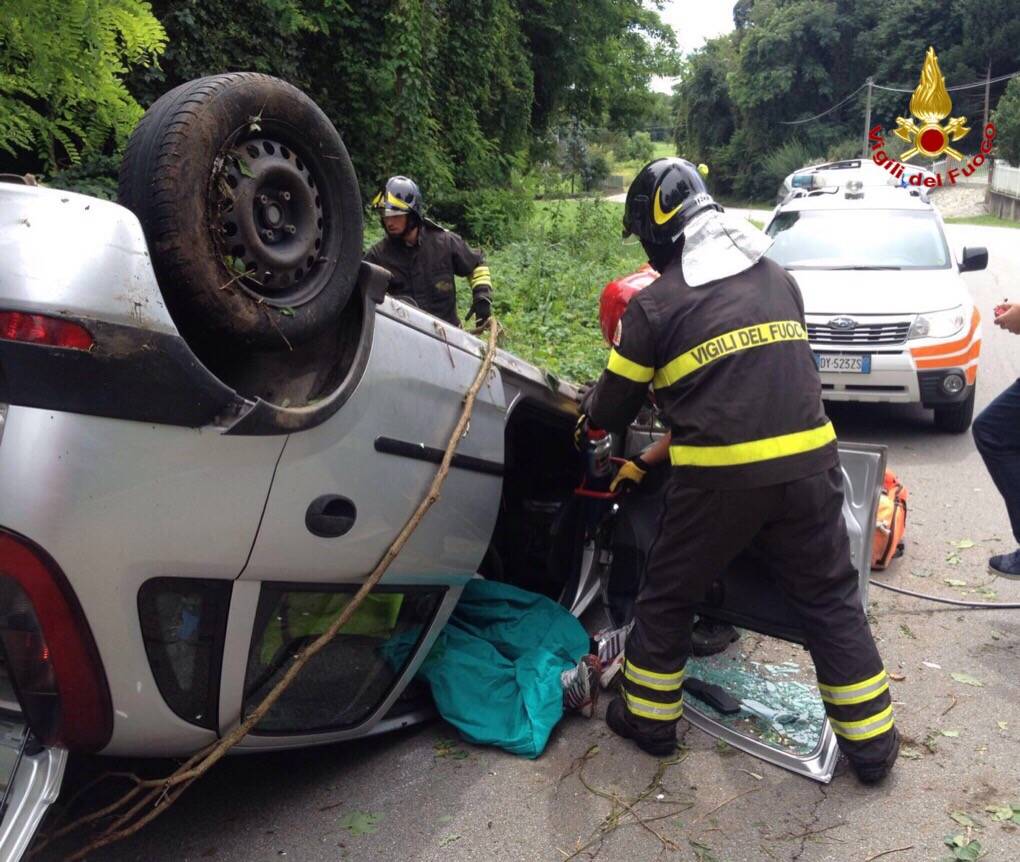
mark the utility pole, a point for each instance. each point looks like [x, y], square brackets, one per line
[867, 120]
[988, 84]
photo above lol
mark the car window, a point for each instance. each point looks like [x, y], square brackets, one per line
[858, 239]
[347, 681]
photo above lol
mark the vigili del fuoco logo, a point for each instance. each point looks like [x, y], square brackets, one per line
[929, 106]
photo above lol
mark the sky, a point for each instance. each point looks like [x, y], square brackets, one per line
[694, 21]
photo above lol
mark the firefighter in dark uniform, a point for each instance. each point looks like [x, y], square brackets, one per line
[721, 337]
[423, 257]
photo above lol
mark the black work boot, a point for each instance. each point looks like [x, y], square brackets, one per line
[658, 745]
[709, 637]
[873, 773]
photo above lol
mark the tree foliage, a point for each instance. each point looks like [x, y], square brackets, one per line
[787, 60]
[1007, 124]
[452, 92]
[61, 74]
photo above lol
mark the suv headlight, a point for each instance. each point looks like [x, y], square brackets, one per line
[938, 324]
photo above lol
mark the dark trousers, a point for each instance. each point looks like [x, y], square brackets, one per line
[799, 526]
[997, 435]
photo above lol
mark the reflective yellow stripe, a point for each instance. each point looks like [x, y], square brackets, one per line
[391, 201]
[753, 450]
[631, 370]
[867, 728]
[651, 679]
[858, 692]
[480, 275]
[726, 344]
[653, 709]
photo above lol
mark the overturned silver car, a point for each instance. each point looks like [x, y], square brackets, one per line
[211, 429]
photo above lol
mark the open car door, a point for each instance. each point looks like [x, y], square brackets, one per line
[781, 717]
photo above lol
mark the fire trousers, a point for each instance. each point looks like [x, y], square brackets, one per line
[799, 527]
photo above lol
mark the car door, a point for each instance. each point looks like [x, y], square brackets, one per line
[342, 492]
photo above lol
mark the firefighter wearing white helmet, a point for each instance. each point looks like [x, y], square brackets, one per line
[721, 337]
[424, 257]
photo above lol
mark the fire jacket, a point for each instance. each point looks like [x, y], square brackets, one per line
[733, 374]
[425, 271]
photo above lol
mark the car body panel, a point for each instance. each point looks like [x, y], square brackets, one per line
[879, 292]
[408, 369]
[74, 255]
[116, 503]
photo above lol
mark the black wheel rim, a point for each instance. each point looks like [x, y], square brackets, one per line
[271, 220]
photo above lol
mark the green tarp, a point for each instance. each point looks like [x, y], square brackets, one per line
[495, 668]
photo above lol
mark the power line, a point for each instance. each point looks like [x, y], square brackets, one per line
[846, 99]
[969, 86]
[823, 113]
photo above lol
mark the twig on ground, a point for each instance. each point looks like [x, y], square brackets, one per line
[946, 710]
[887, 852]
[721, 804]
[809, 832]
[611, 822]
[163, 792]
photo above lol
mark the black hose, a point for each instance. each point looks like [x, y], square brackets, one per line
[955, 602]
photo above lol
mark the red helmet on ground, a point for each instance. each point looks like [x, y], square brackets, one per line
[617, 294]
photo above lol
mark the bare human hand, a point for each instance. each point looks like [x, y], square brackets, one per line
[1008, 317]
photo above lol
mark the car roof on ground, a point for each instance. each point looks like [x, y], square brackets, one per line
[872, 197]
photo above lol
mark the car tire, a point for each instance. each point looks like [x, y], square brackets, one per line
[250, 206]
[956, 418]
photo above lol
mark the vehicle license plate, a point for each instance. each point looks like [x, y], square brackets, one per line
[843, 363]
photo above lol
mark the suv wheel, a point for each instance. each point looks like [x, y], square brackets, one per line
[956, 418]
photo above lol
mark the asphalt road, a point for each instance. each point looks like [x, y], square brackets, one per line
[427, 801]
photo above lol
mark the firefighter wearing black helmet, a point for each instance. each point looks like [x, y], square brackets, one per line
[721, 337]
[423, 257]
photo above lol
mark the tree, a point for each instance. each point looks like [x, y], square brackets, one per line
[1007, 123]
[593, 59]
[61, 69]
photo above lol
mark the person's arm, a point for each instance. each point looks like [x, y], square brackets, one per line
[373, 255]
[470, 264]
[620, 392]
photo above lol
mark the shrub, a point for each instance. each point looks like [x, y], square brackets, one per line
[640, 147]
[785, 159]
[96, 176]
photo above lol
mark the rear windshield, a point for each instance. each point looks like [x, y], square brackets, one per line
[858, 239]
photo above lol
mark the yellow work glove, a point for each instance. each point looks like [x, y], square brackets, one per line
[581, 432]
[629, 476]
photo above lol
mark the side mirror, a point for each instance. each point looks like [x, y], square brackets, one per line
[974, 259]
[373, 280]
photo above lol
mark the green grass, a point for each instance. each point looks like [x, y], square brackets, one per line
[546, 286]
[628, 169]
[744, 204]
[986, 220]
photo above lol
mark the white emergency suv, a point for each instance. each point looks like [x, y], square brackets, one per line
[888, 316]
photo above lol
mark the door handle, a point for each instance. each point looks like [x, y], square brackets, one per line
[330, 515]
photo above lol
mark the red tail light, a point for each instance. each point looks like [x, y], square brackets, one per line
[40, 329]
[49, 650]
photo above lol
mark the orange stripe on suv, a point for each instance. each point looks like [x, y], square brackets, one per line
[954, 360]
